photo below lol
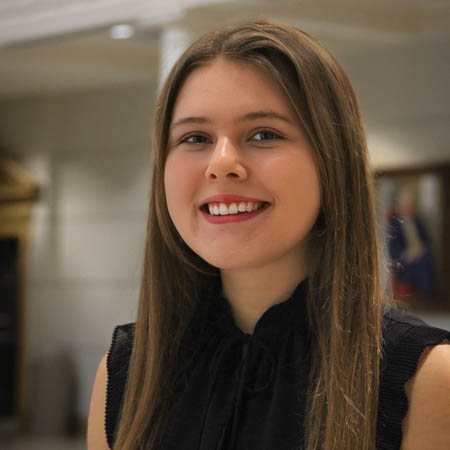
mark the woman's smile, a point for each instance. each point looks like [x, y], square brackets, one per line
[222, 214]
[228, 208]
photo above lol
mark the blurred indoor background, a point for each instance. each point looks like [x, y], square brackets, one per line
[78, 81]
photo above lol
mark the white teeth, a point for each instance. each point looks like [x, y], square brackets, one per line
[233, 209]
[221, 209]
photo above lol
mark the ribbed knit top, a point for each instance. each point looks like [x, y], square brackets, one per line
[228, 402]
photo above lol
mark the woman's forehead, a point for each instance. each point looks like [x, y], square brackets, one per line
[228, 86]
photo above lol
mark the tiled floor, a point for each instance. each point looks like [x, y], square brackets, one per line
[42, 444]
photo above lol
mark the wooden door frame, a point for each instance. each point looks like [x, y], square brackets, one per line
[18, 193]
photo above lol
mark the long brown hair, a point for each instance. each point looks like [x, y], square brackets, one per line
[343, 301]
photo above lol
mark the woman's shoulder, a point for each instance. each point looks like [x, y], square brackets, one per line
[406, 341]
[427, 422]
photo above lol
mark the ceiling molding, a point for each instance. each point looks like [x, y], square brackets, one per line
[29, 20]
[57, 46]
[22, 21]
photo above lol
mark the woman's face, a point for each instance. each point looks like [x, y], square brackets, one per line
[241, 185]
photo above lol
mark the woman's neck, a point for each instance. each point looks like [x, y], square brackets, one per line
[251, 291]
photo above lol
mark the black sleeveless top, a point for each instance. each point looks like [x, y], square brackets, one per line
[227, 402]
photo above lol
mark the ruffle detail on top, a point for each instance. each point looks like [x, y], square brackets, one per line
[405, 339]
[117, 363]
[232, 380]
[275, 321]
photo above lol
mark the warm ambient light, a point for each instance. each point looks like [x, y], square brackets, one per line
[121, 31]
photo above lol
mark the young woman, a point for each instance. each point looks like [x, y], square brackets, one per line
[260, 323]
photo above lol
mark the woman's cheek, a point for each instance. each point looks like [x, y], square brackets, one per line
[172, 172]
[181, 178]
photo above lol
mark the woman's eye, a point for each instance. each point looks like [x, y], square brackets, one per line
[265, 136]
[195, 139]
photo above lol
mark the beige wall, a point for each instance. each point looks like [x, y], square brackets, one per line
[404, 95]
[90, 153]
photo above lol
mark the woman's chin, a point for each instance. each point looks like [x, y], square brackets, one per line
[231, 261]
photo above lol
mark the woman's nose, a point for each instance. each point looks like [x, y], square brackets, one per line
[225, 162]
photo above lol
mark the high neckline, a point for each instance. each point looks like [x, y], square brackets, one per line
[276, 320]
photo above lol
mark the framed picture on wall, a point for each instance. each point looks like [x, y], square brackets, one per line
[413, 207]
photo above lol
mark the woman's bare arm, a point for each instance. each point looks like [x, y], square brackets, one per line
[96, 435]
[427, 423]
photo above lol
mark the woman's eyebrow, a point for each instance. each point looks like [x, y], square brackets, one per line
[190, 119]
[263, 115]
[253, 115]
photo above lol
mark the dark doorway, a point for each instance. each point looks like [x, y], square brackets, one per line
[9, 290]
